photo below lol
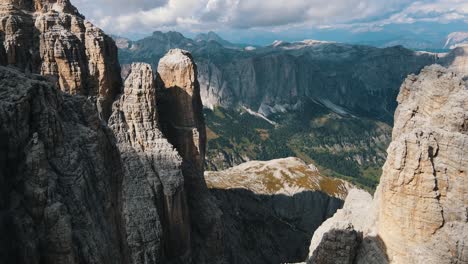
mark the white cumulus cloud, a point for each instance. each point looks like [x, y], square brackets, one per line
[121, 16]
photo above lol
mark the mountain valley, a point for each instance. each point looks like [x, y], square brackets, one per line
[330, 104]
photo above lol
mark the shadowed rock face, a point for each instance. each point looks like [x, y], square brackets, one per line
[181, 108]
[419, 211]
[273, 228]
[154, 206]
[53, 39]
[60, 177]
[182, 122]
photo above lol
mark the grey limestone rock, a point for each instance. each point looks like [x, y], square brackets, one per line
[418, 214]
[60, 175]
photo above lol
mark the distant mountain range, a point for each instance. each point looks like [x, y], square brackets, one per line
[352, 79]
[327, 103]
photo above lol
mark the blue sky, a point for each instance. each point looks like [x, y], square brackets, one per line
[261, 22]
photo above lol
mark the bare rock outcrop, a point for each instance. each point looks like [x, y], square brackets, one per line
[181, 109]
[154, 198]
[422, 197]
[286, 176]
[457, 59]
[132, 187]
[349, 234]
[53, 39]
[419, 211]
[60, 177]
[181, 119]
[272, 208]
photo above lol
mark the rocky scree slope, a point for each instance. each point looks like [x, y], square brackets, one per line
[286, 176]
[418, 214]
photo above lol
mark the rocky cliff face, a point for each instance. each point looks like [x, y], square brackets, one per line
[154, 198]
[69, 170]
[53, 39]
[457, 59]
[420, 205]
[182, 122]
[60, 177]
[425, 174]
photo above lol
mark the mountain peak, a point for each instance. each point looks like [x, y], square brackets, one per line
[212, 36]
[456, 39]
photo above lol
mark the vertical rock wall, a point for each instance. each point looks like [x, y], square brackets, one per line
[53, 39]
[181, 118]
[419, 213]
[60, 177]
[422, 196]
[155, 205]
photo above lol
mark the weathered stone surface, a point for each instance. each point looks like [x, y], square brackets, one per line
[457, 59]
[181, 109]
[60, 177]
[419, 213]
[343, 241]
[155, 206]
[348, 234]
[181, 120]
[53, 39]
[422, 196]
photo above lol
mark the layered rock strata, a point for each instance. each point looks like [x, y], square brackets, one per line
[53, 39]
[419, 213]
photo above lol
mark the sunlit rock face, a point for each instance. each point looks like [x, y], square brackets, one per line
[419, 211]
[53, 39]
[422, 195]
[457, 59]
[286, 176]
[107, 167]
